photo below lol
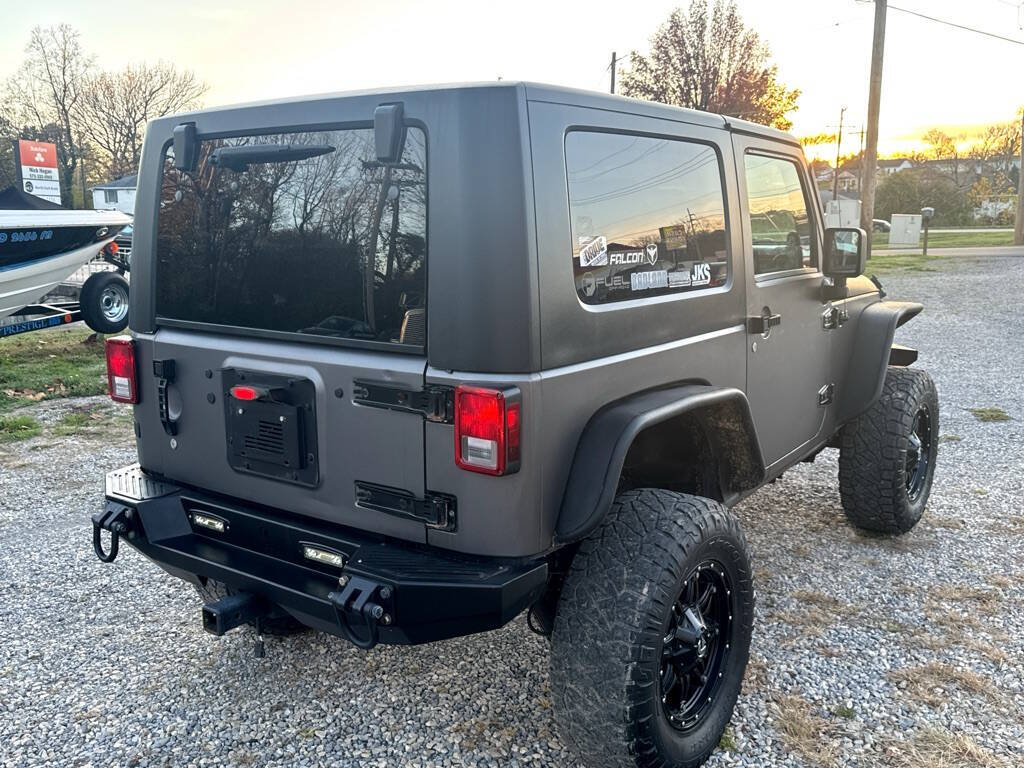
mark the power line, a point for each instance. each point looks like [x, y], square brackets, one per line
[958, 26]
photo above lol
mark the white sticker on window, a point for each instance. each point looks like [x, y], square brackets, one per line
[593, 251]
[678, 279]
[644, 281]
[700, 273]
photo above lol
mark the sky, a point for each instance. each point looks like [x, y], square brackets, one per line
[934, 75]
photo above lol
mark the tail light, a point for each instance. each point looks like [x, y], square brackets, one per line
[122, 382]
[488, 430]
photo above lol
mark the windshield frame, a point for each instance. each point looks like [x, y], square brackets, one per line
[162, 321]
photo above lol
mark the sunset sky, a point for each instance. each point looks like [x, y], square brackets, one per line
[256, 49]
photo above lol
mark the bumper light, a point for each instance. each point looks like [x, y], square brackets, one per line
[325, 556]
[210, 522]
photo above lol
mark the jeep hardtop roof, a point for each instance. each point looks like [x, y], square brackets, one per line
[555, 94]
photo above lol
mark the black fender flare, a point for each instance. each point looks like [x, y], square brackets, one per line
[872, 351]
[607, 437]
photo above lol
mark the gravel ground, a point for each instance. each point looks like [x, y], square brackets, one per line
[905, 652]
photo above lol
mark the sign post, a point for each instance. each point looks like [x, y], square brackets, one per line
[36, 168]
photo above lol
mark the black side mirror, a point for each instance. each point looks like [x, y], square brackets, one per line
[389, 133]
[186, 147]
[845, 252]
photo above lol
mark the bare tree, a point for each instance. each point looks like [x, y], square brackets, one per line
[945, 150]
[44, 95]
[115, 107]
[707, 58]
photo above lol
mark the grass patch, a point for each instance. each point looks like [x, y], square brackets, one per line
[989, 414]
[977, 239]
[728, 741]
[87, 422]
[804, 731]
[50, 364]
[882, 262]
[937, 748]
[845, 712]
[18, 428]
[950, 438]
[928, 684]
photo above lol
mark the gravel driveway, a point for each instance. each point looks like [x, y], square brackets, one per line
[906, 652]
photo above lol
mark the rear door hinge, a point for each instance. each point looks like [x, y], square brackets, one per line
[437, 510]
[833, 318]
[435, 403]
[826, 394]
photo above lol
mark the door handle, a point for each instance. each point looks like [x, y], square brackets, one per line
[764, 322]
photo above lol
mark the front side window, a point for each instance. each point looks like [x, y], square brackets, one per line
[780, 227]
[302, 233]
[647, 216]
[109, 195]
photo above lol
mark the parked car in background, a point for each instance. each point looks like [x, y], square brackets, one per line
[880, 225]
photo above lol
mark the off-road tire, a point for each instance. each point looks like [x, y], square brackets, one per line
[91, 302]
[873, 455]
[278, 626]
[612, 616]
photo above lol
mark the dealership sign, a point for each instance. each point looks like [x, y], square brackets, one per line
[37, 169]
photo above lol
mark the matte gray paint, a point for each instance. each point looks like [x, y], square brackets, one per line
[502, 309]
[608, 436]
[869, 360]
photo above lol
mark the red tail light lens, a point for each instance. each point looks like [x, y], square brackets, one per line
[111, 248]
[487, 430]
[122, 382]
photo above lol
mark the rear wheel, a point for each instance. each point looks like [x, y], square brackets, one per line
[104, 302]
[280, 626]
[887, 455]
[652, 634]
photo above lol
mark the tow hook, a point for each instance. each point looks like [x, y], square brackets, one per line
[356, 597]
[119, 520]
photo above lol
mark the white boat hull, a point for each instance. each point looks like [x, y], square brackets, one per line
[27, 284]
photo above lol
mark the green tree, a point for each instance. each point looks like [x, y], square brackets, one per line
[707, 58]
[911, 190]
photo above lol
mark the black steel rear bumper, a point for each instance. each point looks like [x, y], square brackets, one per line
[385, 591]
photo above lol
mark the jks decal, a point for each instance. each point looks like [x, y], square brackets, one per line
[700, 274]
[593, 251]
[644, 281]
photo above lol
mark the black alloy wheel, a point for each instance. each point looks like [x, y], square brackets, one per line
[695, 647]
[919, 454]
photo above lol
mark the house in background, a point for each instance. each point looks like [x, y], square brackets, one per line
[893, 165]
[118, 194]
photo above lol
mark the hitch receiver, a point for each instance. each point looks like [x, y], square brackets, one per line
[232, 611]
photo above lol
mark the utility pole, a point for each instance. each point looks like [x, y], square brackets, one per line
[613, 73]
[839, 143]
[1018, 222]
[867, 184]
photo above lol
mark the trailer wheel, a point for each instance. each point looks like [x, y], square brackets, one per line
[104, 302]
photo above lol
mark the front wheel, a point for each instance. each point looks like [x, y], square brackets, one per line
[652, 634]
[104, 302]
[887, 455]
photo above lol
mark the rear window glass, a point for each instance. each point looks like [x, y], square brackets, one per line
[301, 233]
[647, 216]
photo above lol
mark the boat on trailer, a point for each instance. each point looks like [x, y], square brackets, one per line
[40, 246]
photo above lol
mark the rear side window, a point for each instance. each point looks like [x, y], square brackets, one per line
[298, 233]
[647, 216]
[780, 227]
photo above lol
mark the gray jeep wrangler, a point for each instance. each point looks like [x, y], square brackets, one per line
[405, 364]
